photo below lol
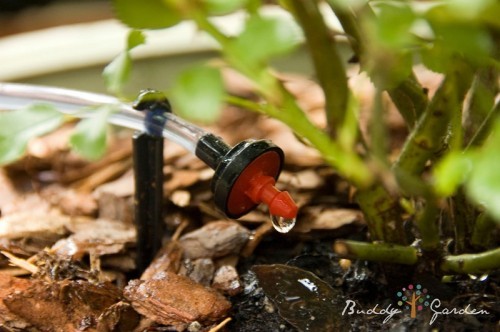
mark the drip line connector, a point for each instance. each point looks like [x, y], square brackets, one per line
[156, 106]
[245, 176]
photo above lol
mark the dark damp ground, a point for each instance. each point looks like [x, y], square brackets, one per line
[365, 286]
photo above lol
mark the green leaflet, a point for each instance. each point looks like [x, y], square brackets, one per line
[221, 7]
[19, 126]
[117, 72]
[150, 14]
[451, 172]
[198, 94]
[264, 38]
[483, 186]
[89, 137]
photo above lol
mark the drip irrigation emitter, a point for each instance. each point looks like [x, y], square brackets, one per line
[245, 175]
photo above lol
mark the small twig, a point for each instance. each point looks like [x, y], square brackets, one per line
[179, 230]
[220, 325]
[123, 151]
[103, 175]
[19, 262]
[257, 236]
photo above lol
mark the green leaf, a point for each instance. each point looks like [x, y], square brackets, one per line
[483, 186]
[117, 72]
[135, 38]
[393, 23]
[198, 93]
[451, 172]
[89, 137]
[221, 7]
[264, 38]
[18, 127]
[151, 14]
[458, 31]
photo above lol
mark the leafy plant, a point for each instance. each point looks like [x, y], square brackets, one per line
[444, 180]
[445, 176]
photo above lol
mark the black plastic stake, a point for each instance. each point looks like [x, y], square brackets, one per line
[148, 172]
[148, 200]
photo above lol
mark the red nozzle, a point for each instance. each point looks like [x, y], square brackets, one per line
[280, 203]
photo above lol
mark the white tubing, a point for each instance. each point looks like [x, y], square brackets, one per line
[14, 96]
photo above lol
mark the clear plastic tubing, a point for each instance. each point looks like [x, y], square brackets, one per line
[14, 96]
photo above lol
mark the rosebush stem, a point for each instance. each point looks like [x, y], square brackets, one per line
[379, 252]
[326, 60]
[472, 263]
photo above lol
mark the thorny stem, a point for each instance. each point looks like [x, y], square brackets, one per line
[409, 96]
[383, 214]
[428, 226]
[432, 128]
[472, 263]
[380, 207]
[326, 60]
[410, 99]
[378, 252]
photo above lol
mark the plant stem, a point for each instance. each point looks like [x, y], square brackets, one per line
[282, 106]
[472, 263]
[409, 96]
[432, 128]
[378, 252]
[463, 219]
[428, 226]
[482, 235]
[484, 90]
[378, 130]
[383, 214]
[410, 99]
[326, 59]
[485, 128]
[349, 21]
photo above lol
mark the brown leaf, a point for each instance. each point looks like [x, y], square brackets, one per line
[304, 300]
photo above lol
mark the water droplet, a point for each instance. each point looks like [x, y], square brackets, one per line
[282, 225]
